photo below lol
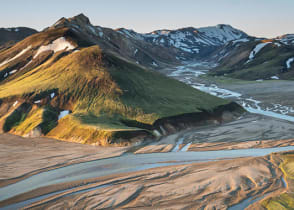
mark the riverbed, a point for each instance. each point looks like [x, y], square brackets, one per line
[181, 161]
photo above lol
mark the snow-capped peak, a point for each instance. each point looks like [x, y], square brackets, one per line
[190, 40]
[222, 33]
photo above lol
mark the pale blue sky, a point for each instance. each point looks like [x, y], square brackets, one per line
[268, 18]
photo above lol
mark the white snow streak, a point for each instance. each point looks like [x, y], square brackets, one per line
[15, 57]
[15, 103]
[13, 71]
[289, 62]
[257, 49]
[56, 45]
[240, 40]
[63, 114]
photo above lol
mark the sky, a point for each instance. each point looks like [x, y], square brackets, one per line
[261, 18]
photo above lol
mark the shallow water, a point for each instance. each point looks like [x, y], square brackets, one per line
[187, 73]
[247, 202]
[125, 163]
[251, 200]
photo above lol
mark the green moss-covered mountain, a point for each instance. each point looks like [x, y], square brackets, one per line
[61, 84]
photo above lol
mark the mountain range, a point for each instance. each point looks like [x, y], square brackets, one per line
[78, 82]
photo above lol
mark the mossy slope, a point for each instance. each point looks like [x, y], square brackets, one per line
[108, 96]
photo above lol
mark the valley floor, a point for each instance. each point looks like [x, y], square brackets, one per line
[22, 157]
[216, 166]
[202, 185]
[249, 131]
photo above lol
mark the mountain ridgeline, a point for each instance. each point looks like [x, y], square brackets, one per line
[89, 84]
[9, 36]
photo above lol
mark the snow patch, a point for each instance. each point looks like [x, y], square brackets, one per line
[257, 49]
[27, 64]
[37, 102]
[5, 75]
[57, 45]
[52, 95]
[240, 40]
[63, 114]
[275, 77]
[277, 44]
[156, 133]
[154, 64]
[13, 71]
[289, 62]
[222, 33]
[15, 57]
[186, 49]
[15, 103]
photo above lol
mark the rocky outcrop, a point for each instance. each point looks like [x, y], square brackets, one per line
[170, 125]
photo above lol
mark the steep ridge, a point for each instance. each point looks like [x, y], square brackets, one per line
[255, 59]
[70, 82]
[137, 50]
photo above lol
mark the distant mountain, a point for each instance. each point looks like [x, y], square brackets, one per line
[9, 36]
[156, 49]
[77, 82]
[255, 59]
[190, 42]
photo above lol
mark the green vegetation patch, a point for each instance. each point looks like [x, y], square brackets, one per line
[44, 118]
[16, 117]
[284, 200]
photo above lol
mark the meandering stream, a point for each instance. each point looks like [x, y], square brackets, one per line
[188, 72]
[125, 163]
